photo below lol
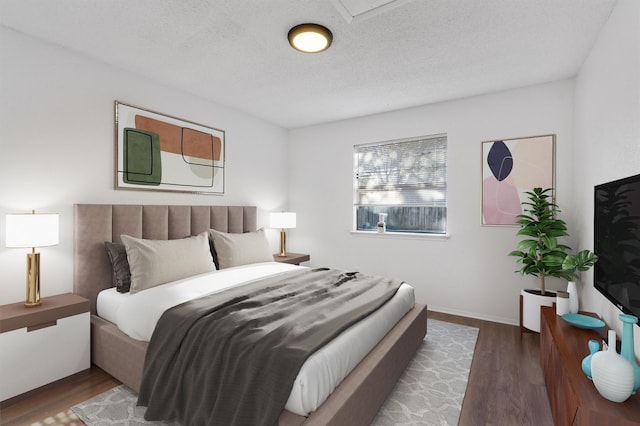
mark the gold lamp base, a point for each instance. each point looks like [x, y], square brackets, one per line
[283, 243]
[33, 280]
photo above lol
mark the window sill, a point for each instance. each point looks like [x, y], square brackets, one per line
[409, 235]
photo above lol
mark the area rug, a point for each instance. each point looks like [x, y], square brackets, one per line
[430, 391]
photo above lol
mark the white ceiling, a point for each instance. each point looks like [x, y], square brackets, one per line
[386, 54]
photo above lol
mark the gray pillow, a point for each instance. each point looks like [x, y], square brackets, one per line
[155, 262]
[240, 249]
[119, 266]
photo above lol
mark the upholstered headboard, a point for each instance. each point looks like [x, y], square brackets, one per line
[96, 223]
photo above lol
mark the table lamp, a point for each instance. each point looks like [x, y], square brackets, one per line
[283, 220]
[32, 230]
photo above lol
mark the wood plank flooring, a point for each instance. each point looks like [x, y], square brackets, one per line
[55, 398]
[505, 386]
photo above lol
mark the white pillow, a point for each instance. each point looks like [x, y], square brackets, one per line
[240, 249]
[155, 262]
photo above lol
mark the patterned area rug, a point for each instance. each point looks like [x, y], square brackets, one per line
[431, 389]
[67, 418]
[430, 392]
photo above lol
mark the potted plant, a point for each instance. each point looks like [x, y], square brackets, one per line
[540, 253]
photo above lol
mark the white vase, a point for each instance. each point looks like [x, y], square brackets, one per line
[612, 374]
[574, 303]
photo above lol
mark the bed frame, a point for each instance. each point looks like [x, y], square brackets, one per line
[355, 401]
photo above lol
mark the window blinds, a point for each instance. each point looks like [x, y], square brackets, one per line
[409, 172]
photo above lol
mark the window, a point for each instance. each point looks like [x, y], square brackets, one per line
[404, 179]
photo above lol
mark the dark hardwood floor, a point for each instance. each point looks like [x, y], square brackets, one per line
[55, 399]
[505, 386]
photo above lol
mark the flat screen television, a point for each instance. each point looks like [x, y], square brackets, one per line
[617, 242]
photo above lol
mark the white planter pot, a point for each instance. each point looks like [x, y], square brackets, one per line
[531, 307]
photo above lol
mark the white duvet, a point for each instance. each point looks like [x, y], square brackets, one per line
[137, 315]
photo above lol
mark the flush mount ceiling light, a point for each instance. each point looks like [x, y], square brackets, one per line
[310, 38]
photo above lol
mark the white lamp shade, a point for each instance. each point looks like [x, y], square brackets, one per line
[31, 230]
[283, 220]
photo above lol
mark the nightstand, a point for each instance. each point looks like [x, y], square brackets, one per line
[293, 258]
[44, 343]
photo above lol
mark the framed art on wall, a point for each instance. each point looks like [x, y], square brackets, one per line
[163, 153]
[510, 167]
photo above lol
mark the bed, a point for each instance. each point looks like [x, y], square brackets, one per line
[355, 401]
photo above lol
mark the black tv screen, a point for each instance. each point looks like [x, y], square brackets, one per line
[617, 242]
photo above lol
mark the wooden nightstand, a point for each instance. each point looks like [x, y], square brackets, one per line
[44, 343]
[293, 258]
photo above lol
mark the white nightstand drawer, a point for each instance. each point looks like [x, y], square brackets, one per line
[30, 359]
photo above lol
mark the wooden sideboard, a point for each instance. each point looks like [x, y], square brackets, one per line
[573, 398]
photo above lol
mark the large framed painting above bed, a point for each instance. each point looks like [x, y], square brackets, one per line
[159, 152]
[120, 346]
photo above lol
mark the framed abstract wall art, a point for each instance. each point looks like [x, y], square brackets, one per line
[510, 167]
[164, 153]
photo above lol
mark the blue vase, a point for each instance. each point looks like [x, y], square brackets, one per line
[627, 350]
[594, 347]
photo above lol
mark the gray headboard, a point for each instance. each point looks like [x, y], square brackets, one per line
[96, 223]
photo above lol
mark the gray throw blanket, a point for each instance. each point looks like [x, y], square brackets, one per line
[232, 358]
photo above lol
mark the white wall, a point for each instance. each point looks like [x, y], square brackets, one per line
[57, 149]
[56, 140]
[468, 274]
[607, 130]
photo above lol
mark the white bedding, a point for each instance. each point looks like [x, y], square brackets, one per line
[137, 314]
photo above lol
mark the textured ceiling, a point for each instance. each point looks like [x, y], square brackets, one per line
[389, 55]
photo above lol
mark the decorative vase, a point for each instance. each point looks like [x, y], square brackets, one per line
[627, 350]
[612, 374]
[574, 303]
[594, 347]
